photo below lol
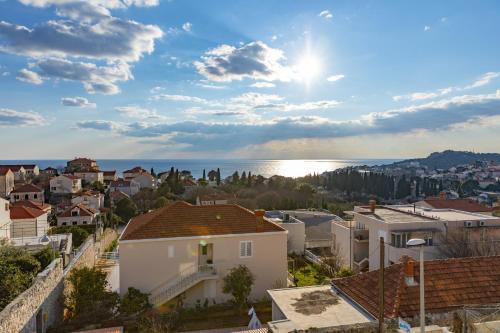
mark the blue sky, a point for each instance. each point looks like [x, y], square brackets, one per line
[248, 79]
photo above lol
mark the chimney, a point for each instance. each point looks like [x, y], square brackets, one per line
[442, 195]
[372, 204]
[409, 270]
[259, 217]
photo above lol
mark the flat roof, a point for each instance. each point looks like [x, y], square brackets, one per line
[315, 306]
[448, 214]
[396, 216]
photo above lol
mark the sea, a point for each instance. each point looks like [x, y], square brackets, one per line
[266, 168]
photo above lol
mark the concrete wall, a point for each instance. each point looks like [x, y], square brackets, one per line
[147, 264]
[34, 227]
[42, 299]
[296, 236]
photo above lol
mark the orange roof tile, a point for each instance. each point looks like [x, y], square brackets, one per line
[27, 188]
[23, 212]
[466, 205]
[32, 204]
[449, 284]
[84, 211]
[181, 219]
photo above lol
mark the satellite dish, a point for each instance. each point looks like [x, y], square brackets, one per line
[45, 240]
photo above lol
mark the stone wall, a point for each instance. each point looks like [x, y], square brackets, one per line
[41, 304]
[108, 236]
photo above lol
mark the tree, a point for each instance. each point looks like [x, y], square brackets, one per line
[235, 179]
[98, 186]
[238, 282]
[462, 242]
[204, 177]
[153, 172]
[78, 235]
[134, 302]
[126, 209]
[89, 297]
[218, 176]
[161, 202]
[212, 175]
[45, 256]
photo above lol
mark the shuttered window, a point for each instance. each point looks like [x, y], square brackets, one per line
[245, 249]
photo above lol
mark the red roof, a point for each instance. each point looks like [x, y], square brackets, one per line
[84, 211]
[4, 170]
[109, 173]
[466, 205]
[449, 285]
[181, 219]
[27, 188]
[32, 204]
[23, 212]
[13, 167]
[136, 169]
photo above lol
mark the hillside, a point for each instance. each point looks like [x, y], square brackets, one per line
[450, 158]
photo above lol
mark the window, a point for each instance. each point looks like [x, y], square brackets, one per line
[204, 250]
[84, 222]
[171, 251]
[245, 249]
[16, 196]
[53, 188]
[399, 239]
[74, 213]
[75, 222]
[26, 197]
[35, 196]
[64, 223]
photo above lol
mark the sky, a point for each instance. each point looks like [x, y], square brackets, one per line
[248, 79]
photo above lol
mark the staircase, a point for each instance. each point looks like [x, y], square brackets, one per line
[180, 283]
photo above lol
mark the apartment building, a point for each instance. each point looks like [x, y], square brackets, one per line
[81, 164]
[187, 249]
[91, 199]
[91, 176]
[359, 240]
[28, 222]
[6, 181]
[78, 214]
[65, 184]
[27, 192]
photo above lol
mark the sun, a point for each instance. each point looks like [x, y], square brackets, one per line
[308, 68]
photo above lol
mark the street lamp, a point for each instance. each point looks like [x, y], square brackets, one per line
[420, 242]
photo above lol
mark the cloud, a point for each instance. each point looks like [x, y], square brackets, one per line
[26, 75]
[178, 98]
[485, 79]
[134, 111]
[13, 118]
[187, 27]
[434, 116]
[80, 102]
[263, 85]
[334, 78]
[99, 125]
[95, 79]
[326, 14]
[427, 28]
[254, 60]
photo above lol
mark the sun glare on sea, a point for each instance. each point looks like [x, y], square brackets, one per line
[300, 168]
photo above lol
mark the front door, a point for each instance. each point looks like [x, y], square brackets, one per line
[205, 254]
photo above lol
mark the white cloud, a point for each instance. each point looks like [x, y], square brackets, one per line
[274, 37]
[334, 78]
[254, 60]
[134, 111]
[326, 14]
[427, 28]
[28, 76]
[485, 79]
[178, 98]
[80, 102]
[13, 118]
[263, 85]
[187, 27]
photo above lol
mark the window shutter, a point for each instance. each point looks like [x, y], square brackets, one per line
[242, 249]
[249, 249]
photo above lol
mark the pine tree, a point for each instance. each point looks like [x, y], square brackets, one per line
[218, 176]
[204, 175]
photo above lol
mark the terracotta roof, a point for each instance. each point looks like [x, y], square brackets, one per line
[49, 169]
[4, 170]
[31, 204]
[120, 183]
[181, 219]
[449, 284]
[13, 167]
[67, 175]
[466, 205]
[136, 169]
[118, 195]
[109, 173]
[29, 166]
[84, 211]
[27, 188]
[23, 212]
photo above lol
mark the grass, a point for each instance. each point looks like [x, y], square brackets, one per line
[307, 275]
[221, 316]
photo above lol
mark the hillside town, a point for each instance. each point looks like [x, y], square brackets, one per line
[84, 249]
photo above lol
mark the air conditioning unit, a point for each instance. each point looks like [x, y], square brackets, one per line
[468, 224]
[481, 223]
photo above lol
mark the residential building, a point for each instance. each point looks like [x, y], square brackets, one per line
[116, 196]
[27, 192]
[197, 246]
[91, 199]
[129, 187]
[7, 180]
[449, 285]
[18, 170]
[28, 222]
[213, 199]
[31, 170]
[145, 180]
[81, 164]
[296, 237]
[109, 176]
[359, 240]
[35, 204]
[78, 214]
[466, 205]
[5, 221]
[90, 177]
[49, 171]
[136, 171]
[65, 184]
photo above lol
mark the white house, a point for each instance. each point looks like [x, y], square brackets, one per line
[18, 170]
[78, 214]
[6, 181]
[28, 222]
[129, 187]
[90, 176]
[110, 176]
[31, 170]
[5, 221]
[136, 171]
[65, 184]
[145, 180]
[27, 192]
[92, 199]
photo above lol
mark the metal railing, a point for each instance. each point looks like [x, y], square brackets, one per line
[109, 256]
[312, 257]
[181, 282]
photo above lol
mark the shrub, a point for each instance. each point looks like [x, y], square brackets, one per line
[238, 282]
[133, 302]
[79, 234]
[45, 256]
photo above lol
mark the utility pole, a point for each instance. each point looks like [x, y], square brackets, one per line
[381, 301]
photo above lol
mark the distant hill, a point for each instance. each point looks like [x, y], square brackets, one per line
[450, 158]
